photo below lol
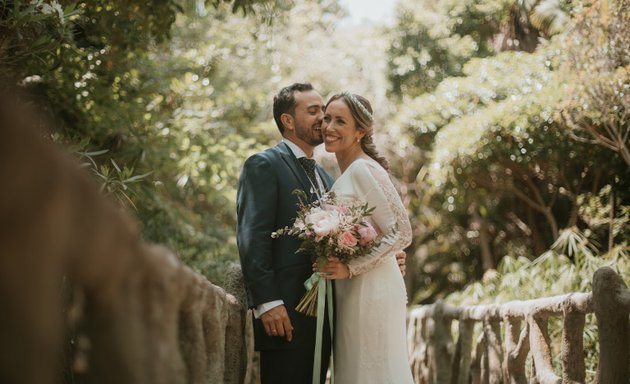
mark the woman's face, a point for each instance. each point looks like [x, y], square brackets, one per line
[339, 127]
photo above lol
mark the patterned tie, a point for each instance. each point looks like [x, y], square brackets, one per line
[309, 167]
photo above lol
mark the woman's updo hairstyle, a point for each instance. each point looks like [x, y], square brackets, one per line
[361, 111]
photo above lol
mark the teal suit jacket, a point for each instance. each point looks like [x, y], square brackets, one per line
[272, 269]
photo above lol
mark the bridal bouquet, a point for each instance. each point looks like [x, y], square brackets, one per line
[330, 227]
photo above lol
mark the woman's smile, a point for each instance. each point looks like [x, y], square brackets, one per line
[330, 138]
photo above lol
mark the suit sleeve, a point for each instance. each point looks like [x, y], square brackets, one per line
[256, 205]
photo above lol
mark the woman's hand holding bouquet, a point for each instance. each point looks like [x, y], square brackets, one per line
[332, 232]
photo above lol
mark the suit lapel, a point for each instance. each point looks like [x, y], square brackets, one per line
[324, 177]
[292, 163]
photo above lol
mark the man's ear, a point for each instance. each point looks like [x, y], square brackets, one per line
[287, 121]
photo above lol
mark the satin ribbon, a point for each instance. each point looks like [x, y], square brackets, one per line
[324, 294]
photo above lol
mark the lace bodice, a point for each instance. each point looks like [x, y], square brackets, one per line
[366, 180]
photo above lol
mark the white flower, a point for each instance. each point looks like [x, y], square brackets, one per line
[47, 9]
[299, 224]
[323, 222]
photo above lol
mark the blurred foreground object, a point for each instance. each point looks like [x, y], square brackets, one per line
[82, 294]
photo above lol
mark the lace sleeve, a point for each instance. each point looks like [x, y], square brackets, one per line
[373, 185]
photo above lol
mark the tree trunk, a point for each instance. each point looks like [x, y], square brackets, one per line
[537, 242]
[611, 218]
[487, 260]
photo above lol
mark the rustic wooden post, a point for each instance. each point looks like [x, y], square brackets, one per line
[533, 379]
[539, 342]
[462, 357]
[611, 301]
[416, 330]
[234, 286]
[492, 332]
[424, 364]
[235, 347]
[572, 352]
[412, 344]
[477, 363]
[432, 369]
[440, 340]
[191, 339]
[526, 330]
[215, 318]
[516, 350]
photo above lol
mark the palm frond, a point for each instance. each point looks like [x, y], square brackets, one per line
[549, 17]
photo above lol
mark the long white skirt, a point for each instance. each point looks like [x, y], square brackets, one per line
[370, 330]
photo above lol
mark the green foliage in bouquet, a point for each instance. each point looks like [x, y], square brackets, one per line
[330, 227]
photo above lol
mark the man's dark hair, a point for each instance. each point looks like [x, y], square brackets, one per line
[284, 101]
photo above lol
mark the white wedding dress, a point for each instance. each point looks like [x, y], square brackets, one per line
[370, 328]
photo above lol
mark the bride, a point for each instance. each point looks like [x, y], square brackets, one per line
[370, 340]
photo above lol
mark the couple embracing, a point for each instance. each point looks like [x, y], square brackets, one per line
[369, 343]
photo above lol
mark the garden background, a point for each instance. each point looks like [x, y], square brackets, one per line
[505, 121]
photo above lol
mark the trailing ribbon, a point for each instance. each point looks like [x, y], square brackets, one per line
[308, 284]
[324, 294]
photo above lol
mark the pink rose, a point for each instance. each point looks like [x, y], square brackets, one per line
[329, 207]
[347, 239]
[338, 208]
[367, 233]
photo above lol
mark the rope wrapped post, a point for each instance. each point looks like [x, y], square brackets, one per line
[611, 301]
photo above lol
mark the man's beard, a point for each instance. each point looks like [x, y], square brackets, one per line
[313, 139]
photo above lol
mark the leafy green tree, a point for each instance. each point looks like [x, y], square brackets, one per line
[497, 172]
[164, 101]
[597, 109]
[93, 68]
[432, 40]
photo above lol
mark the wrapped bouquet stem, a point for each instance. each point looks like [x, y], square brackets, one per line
[308, 302]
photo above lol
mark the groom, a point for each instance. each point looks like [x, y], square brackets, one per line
[274, 273]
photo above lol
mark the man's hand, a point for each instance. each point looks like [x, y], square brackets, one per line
[277, 323]
[401, 258]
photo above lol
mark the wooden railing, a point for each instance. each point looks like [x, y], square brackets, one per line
[437, 359]
[83, 299]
